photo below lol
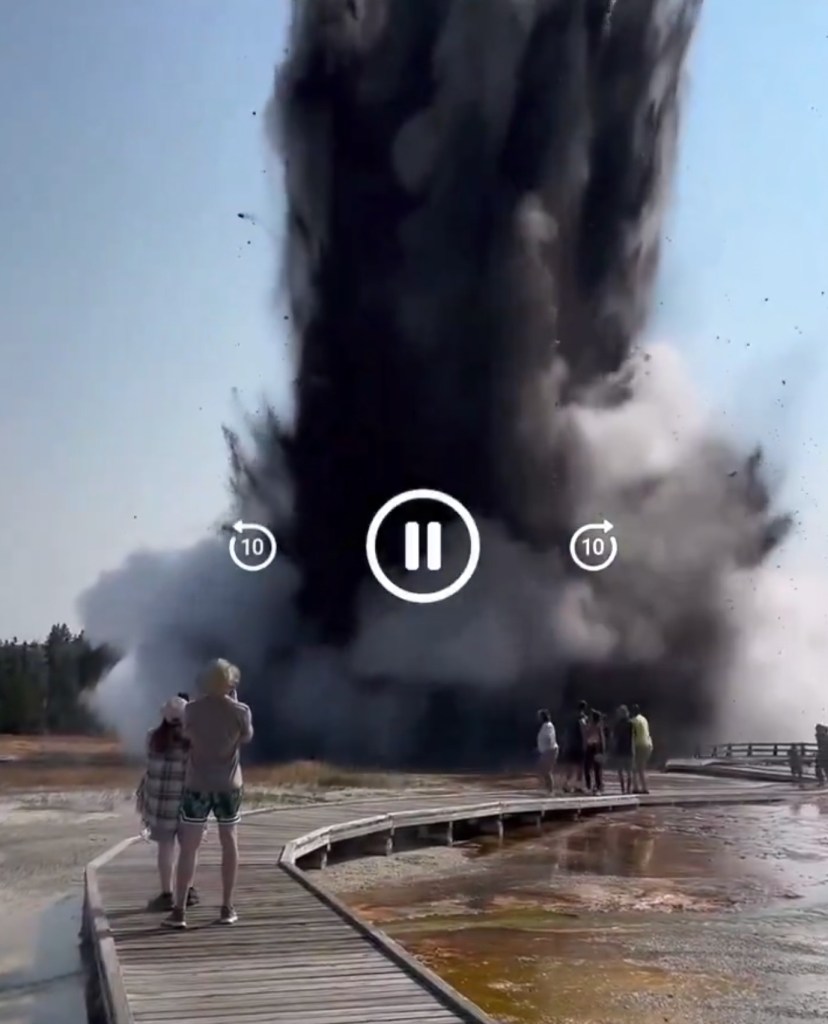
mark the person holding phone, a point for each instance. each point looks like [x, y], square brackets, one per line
[216, 725]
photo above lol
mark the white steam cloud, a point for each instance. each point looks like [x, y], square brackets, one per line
[520, 614]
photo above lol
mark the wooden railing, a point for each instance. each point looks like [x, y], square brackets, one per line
[754, 751]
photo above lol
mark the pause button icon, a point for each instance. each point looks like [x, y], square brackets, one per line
[434, 547]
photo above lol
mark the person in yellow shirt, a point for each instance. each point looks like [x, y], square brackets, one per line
[642, 749]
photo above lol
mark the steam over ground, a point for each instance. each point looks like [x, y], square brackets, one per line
[475, 194]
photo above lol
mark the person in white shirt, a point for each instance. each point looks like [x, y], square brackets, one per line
[547, 750]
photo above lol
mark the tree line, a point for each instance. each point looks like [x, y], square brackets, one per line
[44, 685]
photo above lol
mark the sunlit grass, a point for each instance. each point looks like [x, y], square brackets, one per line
[40, 748]
[80, 762]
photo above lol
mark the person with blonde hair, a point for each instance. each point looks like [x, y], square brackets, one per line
[158, 799]
[216, 725]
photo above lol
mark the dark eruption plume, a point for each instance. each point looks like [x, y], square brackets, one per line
[474, 195]
[474, 202]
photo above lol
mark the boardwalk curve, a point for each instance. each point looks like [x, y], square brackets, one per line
[298, 954]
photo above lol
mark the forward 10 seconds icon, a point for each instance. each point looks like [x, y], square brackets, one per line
[591, 548]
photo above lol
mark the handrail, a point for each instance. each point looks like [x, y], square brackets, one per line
[99, 944]
[762, 751]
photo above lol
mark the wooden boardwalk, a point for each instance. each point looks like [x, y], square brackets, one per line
[297, 956]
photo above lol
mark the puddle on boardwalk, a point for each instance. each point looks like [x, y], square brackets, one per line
[706, 915]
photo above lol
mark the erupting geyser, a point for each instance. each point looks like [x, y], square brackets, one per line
[475, 191]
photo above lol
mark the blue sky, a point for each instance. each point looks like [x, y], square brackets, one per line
[132, 304]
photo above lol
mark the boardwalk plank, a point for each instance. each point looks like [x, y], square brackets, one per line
[390, 1014]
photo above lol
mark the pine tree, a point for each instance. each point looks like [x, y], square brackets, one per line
[44, 686]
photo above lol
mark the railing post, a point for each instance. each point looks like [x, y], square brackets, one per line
[750, 750]
[729, 751]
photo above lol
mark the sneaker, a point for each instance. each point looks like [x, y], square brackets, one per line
[176, 919]
[161, 904]
[193, 898]
[228, 915]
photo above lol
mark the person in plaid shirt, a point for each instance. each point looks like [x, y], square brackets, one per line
[159, 795]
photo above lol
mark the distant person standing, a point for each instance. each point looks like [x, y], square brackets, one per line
[821, 759]
[573, 749]
[217, 726]
[547, 750]
[795, 762]
[595, 745]
[622, 748]
[642, 749]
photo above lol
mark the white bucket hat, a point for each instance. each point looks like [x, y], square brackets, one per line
[173, 710]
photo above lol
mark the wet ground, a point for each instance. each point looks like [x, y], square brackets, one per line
[46, 839]
[713, 915]
[41, 979]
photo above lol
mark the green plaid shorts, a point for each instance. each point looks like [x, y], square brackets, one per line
[226, 807]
